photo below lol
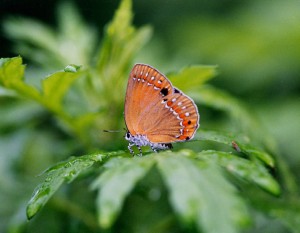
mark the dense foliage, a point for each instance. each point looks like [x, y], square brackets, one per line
[230, 178]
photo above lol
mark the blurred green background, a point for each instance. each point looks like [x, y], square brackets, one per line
[255, 44]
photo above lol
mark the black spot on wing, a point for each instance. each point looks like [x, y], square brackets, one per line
[164, 91]
[176, 90]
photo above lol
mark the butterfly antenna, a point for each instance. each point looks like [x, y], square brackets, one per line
[111, 131]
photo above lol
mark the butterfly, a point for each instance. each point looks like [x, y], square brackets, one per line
[156, 113]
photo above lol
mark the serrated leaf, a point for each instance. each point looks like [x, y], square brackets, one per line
[3, 61]
[57, 175]
[74, 43]
[27, 30]
[122, 19]
[107, 79]
[121, 42]
[116, 183]
[18, 114]
[55, 87]
[199, 194]
[11, 71]
[76, 35]
[244, 119]
[287, 211]
[12, 77]
[196, 74]
[251, 171]
[242, 144]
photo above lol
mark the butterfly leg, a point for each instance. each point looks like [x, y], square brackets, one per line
[140, 150]
[130, 149]
[153, 149]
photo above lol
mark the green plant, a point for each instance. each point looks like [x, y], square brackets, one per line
[209, 190]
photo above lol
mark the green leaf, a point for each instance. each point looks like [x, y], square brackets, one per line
[17, 114]
[60, 173]
[12, 77]
[199, 194]
[11, 71]
[75, 34]
[251, 171]
[56, 85]
[121, 42]
[106, 81]
[240, 143]
[73, 43]
[196, 74]
[120, 36]
[286, 210]
[243, 118]
[54, 88]
[41, 49]
[116, 183]
[26, 30]
[289, 215]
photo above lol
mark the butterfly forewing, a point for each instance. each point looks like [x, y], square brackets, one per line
[141, 95]
[154, 108]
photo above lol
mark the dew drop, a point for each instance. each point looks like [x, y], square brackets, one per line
[48, 179]
[154, 194]
[72, 68]
[68, 164]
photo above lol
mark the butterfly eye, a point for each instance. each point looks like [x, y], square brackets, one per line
[127, 136]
